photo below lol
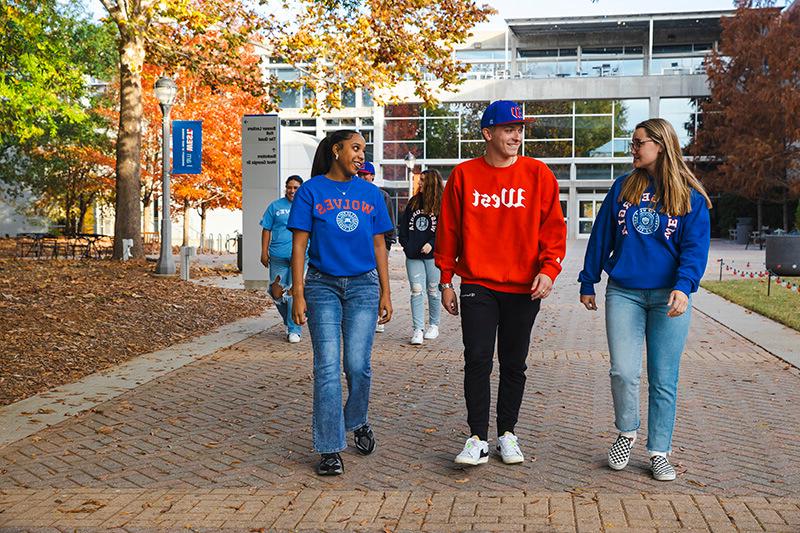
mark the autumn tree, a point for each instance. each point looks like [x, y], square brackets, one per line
[751, 123]
[219, 185]
[54, 147]
[336, 44]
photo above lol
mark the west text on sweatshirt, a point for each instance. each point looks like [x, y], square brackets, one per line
[640, 247]
[500, 227]
[417, 228]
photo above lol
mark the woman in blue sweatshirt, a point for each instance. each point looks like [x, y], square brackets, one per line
[651, 236]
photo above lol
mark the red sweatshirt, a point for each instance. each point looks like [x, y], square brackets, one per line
[500, 227]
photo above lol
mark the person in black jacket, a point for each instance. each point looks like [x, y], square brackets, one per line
[367, 172]
[417, 230]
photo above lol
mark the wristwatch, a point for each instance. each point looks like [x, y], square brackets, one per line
[443, 286]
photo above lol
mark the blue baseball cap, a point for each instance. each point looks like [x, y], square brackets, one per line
[503, 112]
[367, 168]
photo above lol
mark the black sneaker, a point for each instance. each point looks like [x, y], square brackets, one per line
[330, 465]
[365, 440]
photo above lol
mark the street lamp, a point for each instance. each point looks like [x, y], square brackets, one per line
[165, 90]
[411, 161]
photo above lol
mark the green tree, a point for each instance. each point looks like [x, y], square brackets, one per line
[51, 142]
[47, 49]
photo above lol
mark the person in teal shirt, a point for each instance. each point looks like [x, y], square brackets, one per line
[276, 253]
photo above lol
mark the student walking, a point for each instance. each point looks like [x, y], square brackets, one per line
[276, 251]
[417, 231]
[345, 289]
[502, 231]
[651, 236]
[367, 172]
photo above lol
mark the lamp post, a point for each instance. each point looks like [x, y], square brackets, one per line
[411, 161]
[165, 90]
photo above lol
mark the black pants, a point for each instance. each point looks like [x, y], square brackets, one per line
[487, 315]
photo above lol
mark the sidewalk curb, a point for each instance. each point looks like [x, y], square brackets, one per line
[775, 338]
[26, 417]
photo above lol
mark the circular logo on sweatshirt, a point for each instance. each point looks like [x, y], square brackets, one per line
[422, 224]
[347, 221]
[645, 220]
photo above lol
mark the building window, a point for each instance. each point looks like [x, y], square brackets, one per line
[593, 172]
[684, 115]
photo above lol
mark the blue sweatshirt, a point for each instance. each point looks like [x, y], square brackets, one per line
[640, 247]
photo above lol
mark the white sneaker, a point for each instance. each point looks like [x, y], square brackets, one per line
[509, 450]
[294, 338]
[432, 333]
[380, 328]
[475, 452]
[416, 338]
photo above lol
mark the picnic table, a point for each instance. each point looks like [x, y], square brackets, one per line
[50, 246]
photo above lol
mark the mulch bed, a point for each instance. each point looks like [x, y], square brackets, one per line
[61, 320]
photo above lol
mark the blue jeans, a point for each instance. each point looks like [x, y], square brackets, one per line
[283, 268]
[424, 276]
[340, 309]
[633, 316]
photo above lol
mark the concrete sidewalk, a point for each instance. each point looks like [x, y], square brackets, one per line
[223, 442]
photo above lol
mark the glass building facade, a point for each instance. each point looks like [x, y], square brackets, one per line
[586, 95]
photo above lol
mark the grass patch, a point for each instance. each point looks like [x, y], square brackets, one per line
[782, 305]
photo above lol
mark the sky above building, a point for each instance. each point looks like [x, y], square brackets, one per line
[548, 8]
[511, 9]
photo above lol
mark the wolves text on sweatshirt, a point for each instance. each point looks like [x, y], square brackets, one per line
[500, 227]
[640, 247]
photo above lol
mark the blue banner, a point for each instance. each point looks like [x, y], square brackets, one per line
[187, 146]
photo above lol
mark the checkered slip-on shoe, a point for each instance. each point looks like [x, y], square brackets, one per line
[662, 470]
[620, 453]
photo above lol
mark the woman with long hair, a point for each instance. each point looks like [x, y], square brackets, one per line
[345, 289]
[417, 236]
[651, 236]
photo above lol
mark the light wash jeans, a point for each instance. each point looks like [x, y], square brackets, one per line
[340, 309]
[424, 276]
[633, 316]
[283, 268]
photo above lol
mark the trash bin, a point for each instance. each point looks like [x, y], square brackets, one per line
[239, 252]
[744, 226]
[783, 255]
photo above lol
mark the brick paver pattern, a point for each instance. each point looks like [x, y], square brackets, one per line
[225, 442]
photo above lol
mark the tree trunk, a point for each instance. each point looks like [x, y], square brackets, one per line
[760, 217]
[83, 208]
[203, 210]
[128, 217]
[785, 214]
[185, 223]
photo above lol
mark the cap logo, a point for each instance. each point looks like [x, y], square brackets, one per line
[516, 112]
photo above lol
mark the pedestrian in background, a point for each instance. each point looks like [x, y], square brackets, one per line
[651, 236]
[345, 289]
[367, 172]
[417, 230]
[276, 252]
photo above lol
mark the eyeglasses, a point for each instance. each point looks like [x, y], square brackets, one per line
[635, 144]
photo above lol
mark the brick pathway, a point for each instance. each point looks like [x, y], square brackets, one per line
[224, 443]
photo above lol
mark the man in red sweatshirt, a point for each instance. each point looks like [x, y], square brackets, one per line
[502, 231]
